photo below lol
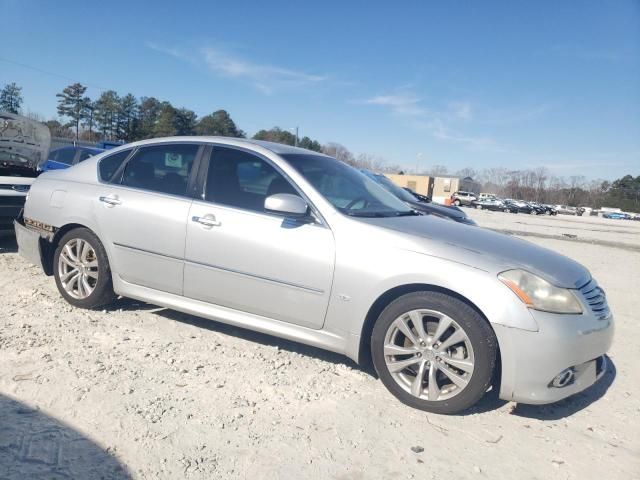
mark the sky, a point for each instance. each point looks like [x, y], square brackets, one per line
[419, 83]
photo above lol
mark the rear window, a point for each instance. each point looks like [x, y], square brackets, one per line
[64, 155]
[108, 165]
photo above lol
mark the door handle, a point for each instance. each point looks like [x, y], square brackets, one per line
[110, 200]
[207, 221]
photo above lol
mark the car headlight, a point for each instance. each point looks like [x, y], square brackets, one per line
[539, 294]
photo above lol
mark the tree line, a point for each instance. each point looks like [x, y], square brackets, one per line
[127, 118]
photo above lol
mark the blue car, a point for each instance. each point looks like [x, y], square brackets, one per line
[617, 215]
[65, 157]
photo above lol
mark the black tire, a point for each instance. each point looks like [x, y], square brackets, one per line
[102, 293]
[457, 203]
[479, 332]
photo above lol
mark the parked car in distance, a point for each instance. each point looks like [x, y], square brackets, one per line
[299, 245]
[426, 207]
[566, 210]
[517, 206]
[462, 198]
[617, 215]
[548, 209]
[65, 157]
[493, 204]
[487, 196]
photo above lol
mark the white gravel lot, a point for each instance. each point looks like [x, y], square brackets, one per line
[137, 391]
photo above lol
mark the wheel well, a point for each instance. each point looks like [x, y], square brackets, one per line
[48, 248]
[364, 352]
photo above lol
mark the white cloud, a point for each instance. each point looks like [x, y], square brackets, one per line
[461, 110]
[403, 103]
[266, 78]
[406, 103]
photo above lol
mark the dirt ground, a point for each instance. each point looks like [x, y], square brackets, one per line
[136, 391]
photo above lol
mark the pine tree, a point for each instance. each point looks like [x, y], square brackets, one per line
[71, 103]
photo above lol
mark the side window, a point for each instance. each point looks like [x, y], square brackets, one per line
[108, 165]
[161, 168]
[243, 180]
[66, 156]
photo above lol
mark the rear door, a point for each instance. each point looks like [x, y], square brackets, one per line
[142, 214]
[241, 257]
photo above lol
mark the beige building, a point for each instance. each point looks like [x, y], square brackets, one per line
[438, 188]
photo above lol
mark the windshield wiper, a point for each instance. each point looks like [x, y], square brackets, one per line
[410, 213]
[367, 214]
[381, 214]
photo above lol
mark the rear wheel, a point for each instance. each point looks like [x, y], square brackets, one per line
[434, 352]
[81, 270]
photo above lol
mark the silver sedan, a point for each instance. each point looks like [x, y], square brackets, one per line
[299, 245]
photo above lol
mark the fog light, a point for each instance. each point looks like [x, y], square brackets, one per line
[564, 378]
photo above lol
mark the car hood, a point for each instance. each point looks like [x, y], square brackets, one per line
[481, 248]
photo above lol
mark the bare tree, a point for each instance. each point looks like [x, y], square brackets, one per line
[339, 152]
[467, 172]
[438, 170]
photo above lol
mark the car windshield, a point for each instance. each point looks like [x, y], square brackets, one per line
[401, 193]
[349, 190]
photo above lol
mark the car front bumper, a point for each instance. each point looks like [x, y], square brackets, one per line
[531, 361]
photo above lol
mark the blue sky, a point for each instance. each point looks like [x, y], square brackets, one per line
[461, 84]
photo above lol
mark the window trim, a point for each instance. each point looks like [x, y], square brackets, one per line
[199, 187]
[126, 159]
[116, 179]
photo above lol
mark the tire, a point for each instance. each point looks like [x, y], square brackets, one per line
[479, 207]
[92, 266]
[457, 203]
[506, 210]
[533, 212]
[476, 353]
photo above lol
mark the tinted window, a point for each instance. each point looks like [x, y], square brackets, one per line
[65, 155]
[242, 180]
[110, 164]
[161, 168]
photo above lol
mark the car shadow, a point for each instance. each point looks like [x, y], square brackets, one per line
[8, 244]
[263, 339]
[489, 402]
[573, 404]
[35, 445]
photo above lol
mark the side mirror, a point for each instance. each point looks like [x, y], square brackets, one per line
[286, 204]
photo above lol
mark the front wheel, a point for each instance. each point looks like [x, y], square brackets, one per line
[81, 270]
[434, 352]
[457, 203]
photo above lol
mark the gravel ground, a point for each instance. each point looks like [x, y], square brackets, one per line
[136, 391]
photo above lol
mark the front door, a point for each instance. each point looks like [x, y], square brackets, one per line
[143, 216]
[241, 257]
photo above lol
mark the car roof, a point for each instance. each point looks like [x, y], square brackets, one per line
[277, 148]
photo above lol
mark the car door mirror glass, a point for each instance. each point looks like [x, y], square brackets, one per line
[286, 204]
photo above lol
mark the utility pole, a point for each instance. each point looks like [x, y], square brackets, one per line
[296, 144]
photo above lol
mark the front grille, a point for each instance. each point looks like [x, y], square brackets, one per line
[596, 299]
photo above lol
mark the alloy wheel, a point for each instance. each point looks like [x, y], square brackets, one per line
[428, 354]
[78, 268]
